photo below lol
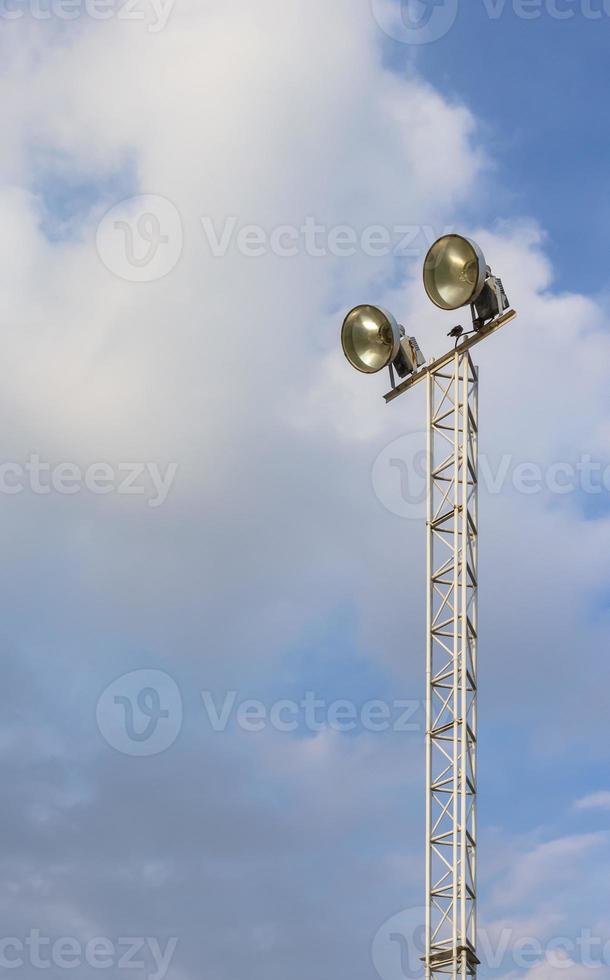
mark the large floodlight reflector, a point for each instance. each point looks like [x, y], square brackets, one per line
[454, 272]
[370, 338]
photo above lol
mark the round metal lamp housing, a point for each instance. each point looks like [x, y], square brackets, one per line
[454, 272]
[370, 338]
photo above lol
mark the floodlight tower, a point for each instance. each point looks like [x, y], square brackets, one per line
[455, 275]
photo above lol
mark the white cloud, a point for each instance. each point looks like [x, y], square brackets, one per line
[557, 965]
[546, 865]
[594, 801]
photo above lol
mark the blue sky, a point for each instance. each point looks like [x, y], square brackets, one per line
[198, 504]
[538, 85]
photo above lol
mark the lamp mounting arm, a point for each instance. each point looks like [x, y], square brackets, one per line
[470, 340]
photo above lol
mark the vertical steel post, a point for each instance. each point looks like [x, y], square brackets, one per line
[451, 674]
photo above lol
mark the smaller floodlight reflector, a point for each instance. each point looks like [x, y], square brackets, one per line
[454, 272]
[370, 338]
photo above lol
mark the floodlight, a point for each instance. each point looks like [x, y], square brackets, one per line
[456, 274]
[372, 340]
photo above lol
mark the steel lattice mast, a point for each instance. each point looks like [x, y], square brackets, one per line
[451, 668]
[451, 656]
[455, 276]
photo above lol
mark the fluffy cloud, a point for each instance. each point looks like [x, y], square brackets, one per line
[594, 801]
